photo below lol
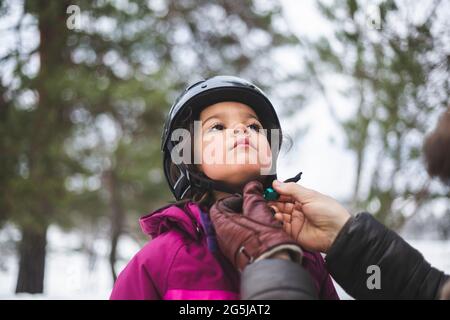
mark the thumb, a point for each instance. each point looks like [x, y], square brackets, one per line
[299, 193]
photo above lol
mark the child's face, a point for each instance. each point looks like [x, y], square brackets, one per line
[234, 150]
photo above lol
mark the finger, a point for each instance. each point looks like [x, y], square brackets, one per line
[293, 190]
[285, 198]
[287, 218]
[275, 209]
[286, 207]
[280, 206]
[279, 218]
[298, 206]
[297, 222]
[287, 227]
[284, 218]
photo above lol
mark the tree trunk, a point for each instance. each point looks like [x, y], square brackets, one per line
[360, 147]
[32, 251]
[45, 176]
[117, 216]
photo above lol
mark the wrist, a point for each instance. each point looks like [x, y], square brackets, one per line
[336, 230]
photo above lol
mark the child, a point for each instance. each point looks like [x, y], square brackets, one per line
[182, 261]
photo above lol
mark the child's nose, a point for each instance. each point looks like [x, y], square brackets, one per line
[240, 129]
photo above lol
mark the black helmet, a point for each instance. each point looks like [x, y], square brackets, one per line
[198, 96]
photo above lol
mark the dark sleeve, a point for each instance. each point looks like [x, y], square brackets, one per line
[276, 279]
[404, 273]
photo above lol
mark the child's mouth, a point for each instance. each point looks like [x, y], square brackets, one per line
[242, 142]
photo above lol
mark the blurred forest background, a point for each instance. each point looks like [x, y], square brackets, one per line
[85, 86]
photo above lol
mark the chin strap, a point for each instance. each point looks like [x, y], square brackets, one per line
[205, 183]
[295, 178]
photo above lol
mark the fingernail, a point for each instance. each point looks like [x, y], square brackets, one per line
[276, 183]
[273, 211]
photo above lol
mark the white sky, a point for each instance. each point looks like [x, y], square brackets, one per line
[327, 166]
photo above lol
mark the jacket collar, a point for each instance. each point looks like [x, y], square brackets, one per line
[186, 219]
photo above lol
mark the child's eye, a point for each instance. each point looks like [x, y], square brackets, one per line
[255, 126]
[216, 127]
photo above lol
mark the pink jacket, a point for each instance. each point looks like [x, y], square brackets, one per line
[182, 261]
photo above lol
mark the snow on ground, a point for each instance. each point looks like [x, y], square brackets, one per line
[71, 274]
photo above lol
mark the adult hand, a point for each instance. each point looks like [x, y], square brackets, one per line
[311, 218]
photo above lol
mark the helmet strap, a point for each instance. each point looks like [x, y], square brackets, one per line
[204, 183]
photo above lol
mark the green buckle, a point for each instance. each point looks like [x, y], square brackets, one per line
[270, 194]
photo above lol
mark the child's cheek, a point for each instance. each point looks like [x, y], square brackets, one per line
[213, 148]
[264, 152]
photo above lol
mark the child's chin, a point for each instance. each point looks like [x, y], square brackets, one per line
[236, 175]
[241, 174]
